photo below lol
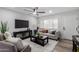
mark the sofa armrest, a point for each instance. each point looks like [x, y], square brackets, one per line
[58, 34]
[6, 43]
[7, 47]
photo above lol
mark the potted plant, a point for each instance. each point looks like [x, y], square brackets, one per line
[3, 28]
[39, 34]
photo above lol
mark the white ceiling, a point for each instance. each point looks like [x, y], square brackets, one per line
[29, 10]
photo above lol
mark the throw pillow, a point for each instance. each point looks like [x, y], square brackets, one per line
[53, 32]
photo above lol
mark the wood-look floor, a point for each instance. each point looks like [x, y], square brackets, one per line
[63, 46]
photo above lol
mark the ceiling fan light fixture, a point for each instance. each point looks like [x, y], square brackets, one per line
[34, 13]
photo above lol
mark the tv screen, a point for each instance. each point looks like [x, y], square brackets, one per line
[21, 23]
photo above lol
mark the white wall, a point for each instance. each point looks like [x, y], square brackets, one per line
[69, 20]
[10, 16]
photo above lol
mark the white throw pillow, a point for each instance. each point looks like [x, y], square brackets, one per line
[7, 35]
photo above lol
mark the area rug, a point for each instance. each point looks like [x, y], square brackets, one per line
[38, 48]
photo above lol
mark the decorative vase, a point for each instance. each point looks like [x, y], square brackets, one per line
[2, 37]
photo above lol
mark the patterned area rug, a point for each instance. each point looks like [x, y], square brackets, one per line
[38, 48]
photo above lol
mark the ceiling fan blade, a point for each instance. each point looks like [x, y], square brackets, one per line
[41, 12]
[28, 10]
[29, 13]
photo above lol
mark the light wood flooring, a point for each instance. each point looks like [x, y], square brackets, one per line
[63, 46]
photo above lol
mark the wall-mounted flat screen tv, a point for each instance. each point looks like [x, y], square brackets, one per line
[21, 23]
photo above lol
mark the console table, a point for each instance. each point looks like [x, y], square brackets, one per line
[23, 34]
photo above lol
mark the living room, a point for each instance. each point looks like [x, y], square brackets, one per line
[46, 20]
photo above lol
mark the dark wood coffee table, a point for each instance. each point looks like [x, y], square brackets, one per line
[41, 40]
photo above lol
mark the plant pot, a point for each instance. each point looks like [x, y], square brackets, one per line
[2, 37]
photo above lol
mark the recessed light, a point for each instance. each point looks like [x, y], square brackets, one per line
[50, 11]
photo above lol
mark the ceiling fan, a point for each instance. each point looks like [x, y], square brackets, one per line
[38, 12]
[35, 11]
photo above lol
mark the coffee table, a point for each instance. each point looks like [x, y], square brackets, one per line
[41, 40]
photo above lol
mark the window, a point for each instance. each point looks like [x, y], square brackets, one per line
[49, 23]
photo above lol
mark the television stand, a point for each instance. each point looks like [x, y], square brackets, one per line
[23, 34]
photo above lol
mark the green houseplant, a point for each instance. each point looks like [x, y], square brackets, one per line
[39, 34]
[3, 28]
